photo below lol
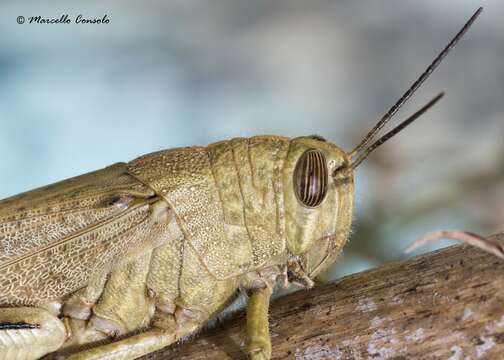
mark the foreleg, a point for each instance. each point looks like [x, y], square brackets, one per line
[258, 344]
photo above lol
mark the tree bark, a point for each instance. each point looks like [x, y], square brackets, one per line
[447, 304]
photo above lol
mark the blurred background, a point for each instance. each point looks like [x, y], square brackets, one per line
[162, 74]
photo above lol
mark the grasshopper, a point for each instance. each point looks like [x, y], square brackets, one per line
[126, 260]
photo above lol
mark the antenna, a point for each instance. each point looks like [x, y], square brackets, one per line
[395, 130]
[425, 75]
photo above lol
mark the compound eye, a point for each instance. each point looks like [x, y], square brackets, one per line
[310, 178]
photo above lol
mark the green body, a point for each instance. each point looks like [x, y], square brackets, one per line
[163, 242]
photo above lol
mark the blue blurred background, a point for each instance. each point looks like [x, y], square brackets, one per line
[161, 74]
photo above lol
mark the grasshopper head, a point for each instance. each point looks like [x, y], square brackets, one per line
[318, 189]
[319, 204]
[319, 197]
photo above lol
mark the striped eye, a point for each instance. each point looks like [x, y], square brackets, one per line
[310, 178]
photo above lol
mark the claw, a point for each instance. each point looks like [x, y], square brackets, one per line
[488, 244]
[259, 355]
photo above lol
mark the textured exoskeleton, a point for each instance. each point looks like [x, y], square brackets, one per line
[126, 260]
[123, 261]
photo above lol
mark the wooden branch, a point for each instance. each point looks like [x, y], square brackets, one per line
[448, 304]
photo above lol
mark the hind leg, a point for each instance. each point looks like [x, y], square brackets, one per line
[111, 306]
[167, 329]
[29, 333]
[126, 306]
[129, 348]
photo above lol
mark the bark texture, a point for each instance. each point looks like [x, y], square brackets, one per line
[447, 304]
